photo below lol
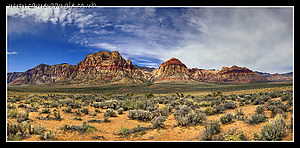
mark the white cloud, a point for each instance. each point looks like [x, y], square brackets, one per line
[13, 52]
[257, 38]
[106, 46]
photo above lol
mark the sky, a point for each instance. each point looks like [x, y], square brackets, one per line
[259, 38]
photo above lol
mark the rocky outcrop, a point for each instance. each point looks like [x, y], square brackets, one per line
[233, 74]
[11, 76]
[237, 74]
[105, 67]
[43, 73]
[280, 77]
[171, 70]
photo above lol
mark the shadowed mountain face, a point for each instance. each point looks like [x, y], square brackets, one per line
[106, 67]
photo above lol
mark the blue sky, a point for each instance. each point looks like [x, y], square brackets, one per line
[209, 38]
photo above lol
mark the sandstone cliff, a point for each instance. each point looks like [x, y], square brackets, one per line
[171, 70]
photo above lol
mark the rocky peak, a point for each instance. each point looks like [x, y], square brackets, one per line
[172, 61]
[172, 70]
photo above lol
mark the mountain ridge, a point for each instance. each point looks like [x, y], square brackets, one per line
[105, 67]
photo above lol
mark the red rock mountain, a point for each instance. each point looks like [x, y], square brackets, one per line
[43, 74]
[171, 70]
[233, 74]
[110, 67]
[280, 77]
[105, 67]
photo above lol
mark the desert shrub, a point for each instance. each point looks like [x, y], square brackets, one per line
[12, 113]
[239, 114]
[110, 113]
[273, 109]
[83, 128]
[50, 135]
[140, 115]
[232, 135]
[274, 94]
[257, 118]
[284, 107]
[16, 132]
[182, 110]
[96, 105]
[265, 98]
[37, 130]
[106, 119]
[208, 111]
[67, 110]
[124, 131]
[120, 111]
[275, 130]
[22, 106]
[85, 111]
[259, 109]
[54, 104]
[57, 115]
[196, 117]
[285, 97]
[45, 111]
[204, 104]
[219, 108]
[230, 105]
[213, 128]
[182, 120]
[22, 117]
[228, 118]
[157, 122]
[113, 104]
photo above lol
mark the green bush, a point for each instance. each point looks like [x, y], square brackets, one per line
[140, 115]
[260, 109]
[48, 136]
[228, 118]
[230, 105]
[110, 113]
[208, 111]
[213, 128]
[85, 111]
[16, 132]
[120, 111]
[83, 128]
[157, 122]
[275, 130]
[257, 118]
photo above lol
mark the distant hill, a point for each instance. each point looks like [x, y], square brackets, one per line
[277, 77]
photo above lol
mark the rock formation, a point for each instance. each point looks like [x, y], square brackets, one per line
[171, 70]
[106, 67]
[43, 73]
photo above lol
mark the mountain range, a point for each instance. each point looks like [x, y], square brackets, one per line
[105, 67]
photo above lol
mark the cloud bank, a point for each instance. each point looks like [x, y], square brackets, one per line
[257, 38]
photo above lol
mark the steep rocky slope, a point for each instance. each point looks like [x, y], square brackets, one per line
[11, 76]
[171, 70]
[105, 67]
[43, 74]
